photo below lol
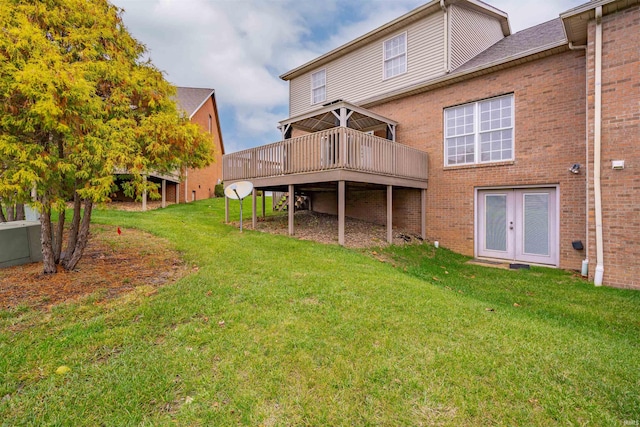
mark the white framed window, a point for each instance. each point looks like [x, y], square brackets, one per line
[479, 132]
[319, 86]
[395, 56]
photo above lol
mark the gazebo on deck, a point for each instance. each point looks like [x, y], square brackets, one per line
[335, 148]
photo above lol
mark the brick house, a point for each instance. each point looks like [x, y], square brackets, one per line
[498, 145]
[199, 104]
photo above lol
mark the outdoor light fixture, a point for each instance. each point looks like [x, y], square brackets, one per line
[575, 168]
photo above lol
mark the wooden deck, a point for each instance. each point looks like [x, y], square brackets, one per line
[322, 156]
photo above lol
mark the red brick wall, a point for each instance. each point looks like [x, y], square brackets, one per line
[550, 136]
[406, 210]
[620, 141]
[203, 181]
[170, 192]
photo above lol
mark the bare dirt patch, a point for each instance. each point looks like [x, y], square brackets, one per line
[132, 206]
[112, 264]
[323, 228]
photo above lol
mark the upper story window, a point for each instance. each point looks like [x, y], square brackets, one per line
[319, 86]
[479, 132]
[210, 124]
[395, 56]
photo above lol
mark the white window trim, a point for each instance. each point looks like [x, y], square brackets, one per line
[406, 56]
[325, 86]
[477, 132]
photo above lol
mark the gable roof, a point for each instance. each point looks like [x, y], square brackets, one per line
[190, 99]
[398, 23]
[531, 40]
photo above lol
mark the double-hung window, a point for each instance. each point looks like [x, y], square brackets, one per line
[395, 56]
[318, 86]
[480, 132]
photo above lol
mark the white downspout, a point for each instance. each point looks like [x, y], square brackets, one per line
[597, 134]
[447, 68]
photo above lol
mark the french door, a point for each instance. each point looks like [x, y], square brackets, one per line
[518, 225]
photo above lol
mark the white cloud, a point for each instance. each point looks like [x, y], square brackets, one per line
[240, 47]
[256, 122]
[527, 13]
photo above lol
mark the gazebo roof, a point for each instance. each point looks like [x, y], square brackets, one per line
[326, 117]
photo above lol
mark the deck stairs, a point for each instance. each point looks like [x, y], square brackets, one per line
[282, 203]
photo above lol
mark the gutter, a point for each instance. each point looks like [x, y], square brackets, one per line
[597, 150]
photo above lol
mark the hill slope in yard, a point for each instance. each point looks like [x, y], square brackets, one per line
[271, 330]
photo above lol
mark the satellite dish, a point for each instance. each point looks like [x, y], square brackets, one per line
[238, 190]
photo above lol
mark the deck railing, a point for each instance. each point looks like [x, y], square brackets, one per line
[325, 150]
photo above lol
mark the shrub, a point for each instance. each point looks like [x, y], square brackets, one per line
[219, 190]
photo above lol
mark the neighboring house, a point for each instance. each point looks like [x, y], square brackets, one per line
[199, 104]
[522, 147]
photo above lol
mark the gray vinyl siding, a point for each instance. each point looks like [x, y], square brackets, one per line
[358, 75]
[471, 32]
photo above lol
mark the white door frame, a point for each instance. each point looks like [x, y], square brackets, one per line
[476, 225]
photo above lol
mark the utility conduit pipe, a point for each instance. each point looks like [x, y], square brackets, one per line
[585, 262]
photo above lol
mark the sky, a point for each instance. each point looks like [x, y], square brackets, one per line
[241, 47]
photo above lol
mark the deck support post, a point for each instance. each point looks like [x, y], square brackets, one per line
[226, 209]
[263, 205]
[291, 206]
[164, 193]
[186, 186]
[390, 214]
[423, 214]
[144, 195]
[254, 213]
[177, 193]
[341, 209]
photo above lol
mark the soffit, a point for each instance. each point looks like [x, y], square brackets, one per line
[576, 20]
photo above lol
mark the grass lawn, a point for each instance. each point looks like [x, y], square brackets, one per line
[274, 331]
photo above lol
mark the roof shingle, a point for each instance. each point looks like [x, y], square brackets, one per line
[528, 40]
[190, 99]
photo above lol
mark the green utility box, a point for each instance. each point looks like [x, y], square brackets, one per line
[19, 243]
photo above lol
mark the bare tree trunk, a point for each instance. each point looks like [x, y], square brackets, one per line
[48, 259]
[57, 246]
[83, 237]
[10, 212]
[2, 217]
[19, 211]
[73, 230]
